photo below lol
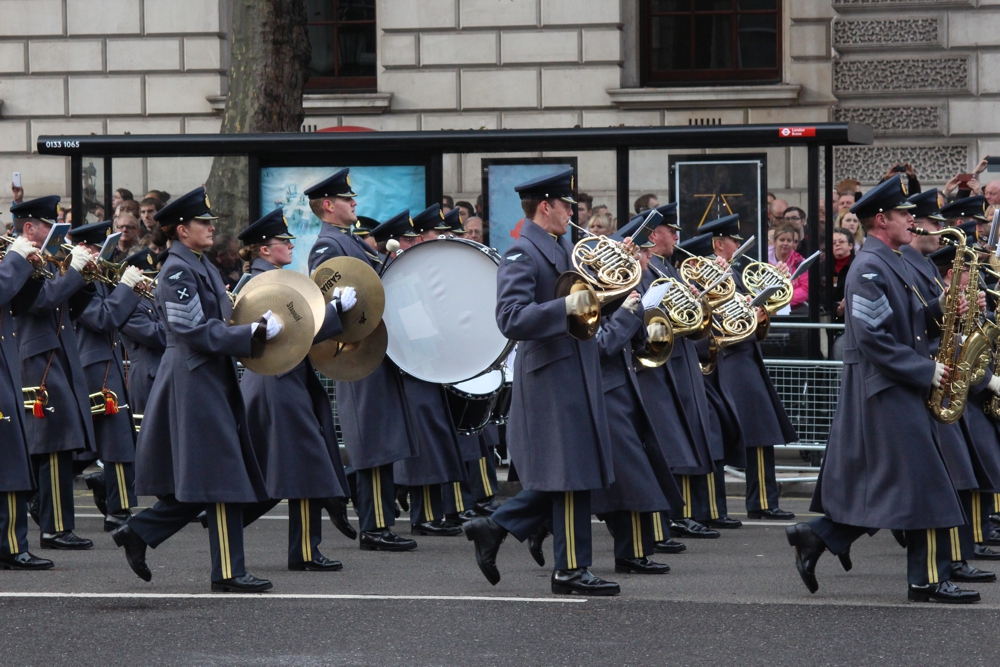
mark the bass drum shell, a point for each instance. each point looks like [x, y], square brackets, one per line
[472, 402]
[440, 311]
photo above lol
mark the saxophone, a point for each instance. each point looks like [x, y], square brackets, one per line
[962, 343]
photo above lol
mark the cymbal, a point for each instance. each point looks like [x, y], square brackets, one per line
[347, 362]
[286, 350]
[302, 284]
[361, 320]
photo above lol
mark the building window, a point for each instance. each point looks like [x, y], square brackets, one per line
[342, 35]
[708, 42]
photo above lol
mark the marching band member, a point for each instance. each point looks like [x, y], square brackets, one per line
[644, 484]
[194, 451]
[881, 471]
[438, 464]
[145, 340]
[61, 424]
[744, 380]
[291, 425]
[964, 455]
[558, 429]
[372, 411]
[682, 437]
[17, 291]
[101, 356]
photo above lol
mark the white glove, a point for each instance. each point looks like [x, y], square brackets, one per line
[632, 303]
[348, 297]
[79, 258]
[578, 303]
[132, 277]
[23, 247]
[994, 385]
[938, 374]
[273, 325]
[657, 332]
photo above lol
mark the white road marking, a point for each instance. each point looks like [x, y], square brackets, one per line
[282, 596]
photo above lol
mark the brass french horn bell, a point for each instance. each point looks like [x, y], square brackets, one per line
[286, 350]
[658, 353]
[347, 362]
[361, 320]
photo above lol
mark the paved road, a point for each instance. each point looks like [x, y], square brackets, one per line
[736, 600]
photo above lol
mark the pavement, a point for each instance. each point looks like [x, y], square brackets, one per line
[734, 600]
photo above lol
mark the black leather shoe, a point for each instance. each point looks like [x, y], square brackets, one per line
[581, 582]
[95, 482]
[202, 518]
[34, 503]
[845, 560]
[985, 553]
[66, 541]
[669, 547]
[435, 529]
[995, 518]
[385, 540]
[135, 550]
[900, 537]
[775, 514]
[639, 566]
[402, 497]
[945, 592]
[487, 535]
[337, 509]
[319, 563]
[487, 508]
[970, 573]
[535, 543]
[25, 561]
[724, 522]
[245, 584]
[993, 539]
[460, 518]
[808, 548]
[691, 528]
[116, 520]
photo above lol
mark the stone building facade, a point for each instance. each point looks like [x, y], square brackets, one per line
[924, 73]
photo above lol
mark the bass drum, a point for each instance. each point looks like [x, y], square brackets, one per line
[502, 407]
[440, 311]
[472, 402]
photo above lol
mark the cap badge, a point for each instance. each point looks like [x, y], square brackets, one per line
[902, 184]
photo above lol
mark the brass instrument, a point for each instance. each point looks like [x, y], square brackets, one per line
[607, 270]
[703, 272]
[137, 420]
[684, 313]
[105, 403]
[36, 400]
[34, 259]
[961, 355]
[757, 276]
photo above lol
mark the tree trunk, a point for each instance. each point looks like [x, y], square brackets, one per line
[269, 63]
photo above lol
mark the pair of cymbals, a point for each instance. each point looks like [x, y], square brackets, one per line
[361, 320]
[347, 362]
[296, 302]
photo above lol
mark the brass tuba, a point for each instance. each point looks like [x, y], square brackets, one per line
[604, 268]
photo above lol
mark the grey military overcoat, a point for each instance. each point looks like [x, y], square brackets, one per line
[291, 424]
[439, 456]
[15, 469]
[101, 356]
[643, 479]
[557, 433]
[883, 466]
[194, 442]
[666, 412]
[372, 411]
[145, 340]
[46, 333]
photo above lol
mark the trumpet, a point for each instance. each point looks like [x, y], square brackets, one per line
[36, 399]
[604, 268]
[105, 402]
[34, 259]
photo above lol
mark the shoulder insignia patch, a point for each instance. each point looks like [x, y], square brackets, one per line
[183, 293]
[869, 276]
[514, 258]
[320, 251]
[175, 277]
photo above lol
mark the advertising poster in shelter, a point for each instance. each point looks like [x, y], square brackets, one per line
[382, 193]
[501, 204]
[707, 187]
